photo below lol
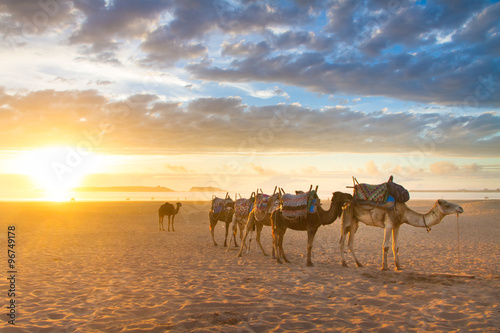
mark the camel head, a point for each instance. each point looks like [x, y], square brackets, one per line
[448, 208]
[341, 198]
[179, 204]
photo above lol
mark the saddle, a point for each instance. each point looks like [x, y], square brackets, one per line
[299, 205]
[220, 205]
[242, 207]
[385, 194]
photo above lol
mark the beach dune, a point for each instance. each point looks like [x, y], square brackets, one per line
[105, 267]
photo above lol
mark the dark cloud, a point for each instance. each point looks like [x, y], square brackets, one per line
[34, 17]
[143, 123]
[432, 52]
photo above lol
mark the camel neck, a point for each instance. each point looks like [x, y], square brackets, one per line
[328, 216]
[427, 220]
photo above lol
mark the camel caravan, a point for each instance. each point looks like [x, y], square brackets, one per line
[381, 205]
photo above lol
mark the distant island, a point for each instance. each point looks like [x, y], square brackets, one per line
[124, 189]
[206, 189]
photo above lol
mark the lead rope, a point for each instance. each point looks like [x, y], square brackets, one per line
[458, 243]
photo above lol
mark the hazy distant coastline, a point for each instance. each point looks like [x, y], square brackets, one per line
[124, 189]
[142, 189]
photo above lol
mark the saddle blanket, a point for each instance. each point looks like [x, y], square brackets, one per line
[242, 208]
[261, 202]
[219, 205]
[297, 206]
[366, 192]
[294, 206]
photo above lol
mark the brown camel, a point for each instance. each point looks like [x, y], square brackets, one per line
[310, 223]
[168, 210]
[390, 219]
[242, 208]
[221, 210]
[258, 218]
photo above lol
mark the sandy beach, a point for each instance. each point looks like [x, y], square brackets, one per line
[105, 267]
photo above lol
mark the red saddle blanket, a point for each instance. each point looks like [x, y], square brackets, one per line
[242, 207]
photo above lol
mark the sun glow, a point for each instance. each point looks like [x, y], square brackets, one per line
[56, 170]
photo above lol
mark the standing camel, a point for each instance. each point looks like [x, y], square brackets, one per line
[242, 208]
[259, 217]
[309, 223]
[168, 210]
[390, 219]
[221, 210]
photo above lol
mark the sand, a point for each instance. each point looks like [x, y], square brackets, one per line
[105, 267]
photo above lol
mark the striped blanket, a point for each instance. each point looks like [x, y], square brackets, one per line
[242, 208]
[297, 206]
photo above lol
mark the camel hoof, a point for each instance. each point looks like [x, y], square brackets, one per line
[344, 264]
[279, 261]
[310, 264]
[384, 269]
[287, 261]
[399, 268]
[359, 264]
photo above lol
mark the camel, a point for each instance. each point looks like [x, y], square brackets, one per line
[258, 218]
[310, 223]
[242, 208]
[391, 220]
[168, 210]
[225, 214]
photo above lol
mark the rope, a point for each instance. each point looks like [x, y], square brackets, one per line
[458, 243]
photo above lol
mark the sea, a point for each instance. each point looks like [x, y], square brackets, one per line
[207, 196]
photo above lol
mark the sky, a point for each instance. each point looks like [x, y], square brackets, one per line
[247, 94]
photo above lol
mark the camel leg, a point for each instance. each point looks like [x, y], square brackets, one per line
[241, 227]
[234, 231]
[310, 239]
[280, 245]
[213, 223]
[227, 232]
[395, 247]
[346, 229]
[160, 223]
[173, 217]
[276, 246]
[387, 239]
[257, 238]
[350, 242]
[248, 227]
[342, 244]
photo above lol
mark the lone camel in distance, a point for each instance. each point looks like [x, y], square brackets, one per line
[168, 210]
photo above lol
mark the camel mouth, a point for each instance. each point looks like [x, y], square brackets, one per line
[459, 210]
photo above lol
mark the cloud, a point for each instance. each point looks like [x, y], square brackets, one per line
[435, 52]
[371, 168]
[443, 168]
[145, 123]
[176, 168]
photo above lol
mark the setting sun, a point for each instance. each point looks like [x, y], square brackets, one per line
[56, 170]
